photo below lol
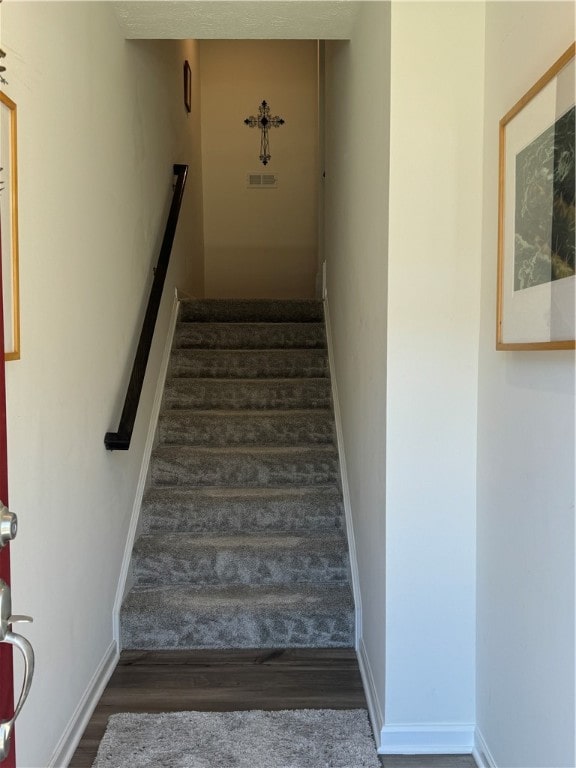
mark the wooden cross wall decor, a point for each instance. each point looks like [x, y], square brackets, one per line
[264, 121]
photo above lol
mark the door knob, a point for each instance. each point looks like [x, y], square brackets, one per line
[8, 525]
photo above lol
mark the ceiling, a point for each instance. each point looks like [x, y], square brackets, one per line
[237, 19]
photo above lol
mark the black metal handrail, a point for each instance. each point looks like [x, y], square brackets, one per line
[120, 441]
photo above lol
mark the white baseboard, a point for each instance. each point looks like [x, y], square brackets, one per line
[374, 708]
[73, 732]
[481, 753]
[141, 486]
[344, 480]
[419, 739]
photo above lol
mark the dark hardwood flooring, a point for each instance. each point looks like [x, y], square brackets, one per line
[220, 681]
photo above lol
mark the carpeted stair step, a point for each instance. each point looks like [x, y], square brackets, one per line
[249, 364]
[239, 510]
[212, 559]
[249, 467]
[253, 394]
[238, 428]
[249, 336]
[251, 311]
[296, 616]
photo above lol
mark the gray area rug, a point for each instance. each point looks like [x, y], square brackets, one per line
[303, 738]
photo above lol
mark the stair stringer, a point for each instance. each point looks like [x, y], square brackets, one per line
[124, 584]
[354, 572]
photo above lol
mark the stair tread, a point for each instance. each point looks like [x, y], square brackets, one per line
[321, 598]
[207, 559]
[243, 335]
[263, 352]
[295, 616]
[172, 509]
[192, 541]
[248, 363]
[247, 413]
[252, 310]
[240, 450]
[244, 466]
[224, 491]
[247, 394]
[259, 380]
[245, 427]
[251, 323]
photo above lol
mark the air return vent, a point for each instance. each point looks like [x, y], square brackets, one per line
[262, 181]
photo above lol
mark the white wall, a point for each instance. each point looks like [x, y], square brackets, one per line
[263, 242]
[101, 121]
[525, 664]
[407, 372]
[356, 203]
[433, 320]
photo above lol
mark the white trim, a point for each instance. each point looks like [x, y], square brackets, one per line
[481, 752]
[344, 479]
[374, 708]
[140, 488]
[73, 732]
[422, 739]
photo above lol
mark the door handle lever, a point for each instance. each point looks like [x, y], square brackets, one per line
[7, 726]
[7, 636]
[20, 620]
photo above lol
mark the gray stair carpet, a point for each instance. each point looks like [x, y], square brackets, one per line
[242, 541]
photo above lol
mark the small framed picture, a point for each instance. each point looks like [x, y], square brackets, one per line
[536, 233]
[187, 87]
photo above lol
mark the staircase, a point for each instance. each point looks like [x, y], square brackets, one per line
[243, 542]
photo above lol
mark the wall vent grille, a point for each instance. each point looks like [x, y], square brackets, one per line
[262, 181]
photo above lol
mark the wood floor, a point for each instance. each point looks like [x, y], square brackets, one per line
[219, 681]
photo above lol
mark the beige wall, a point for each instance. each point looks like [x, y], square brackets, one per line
[403, 194]
[526, 442]
[356, 204]
[433, 321]
[101, 121]
[191, 225]
[260, 243]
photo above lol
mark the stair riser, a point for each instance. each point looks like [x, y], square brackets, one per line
[250, 364]
[255, 395]
[240, 336]
[171, 510]
[247, 470]
[230, 566]
[194, 630]
[251, 311]
[245, 430]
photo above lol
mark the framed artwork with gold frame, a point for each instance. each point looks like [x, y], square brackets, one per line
[536, 222]
[9, 226]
